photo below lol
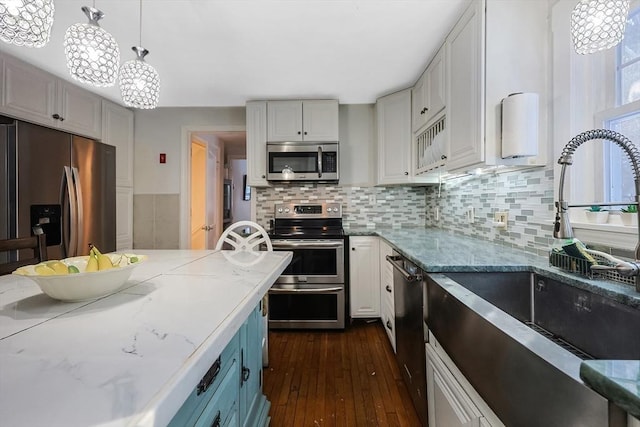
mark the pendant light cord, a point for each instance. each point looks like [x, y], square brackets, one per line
[140, 37]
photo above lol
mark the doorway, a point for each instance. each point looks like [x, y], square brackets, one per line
[205, 158]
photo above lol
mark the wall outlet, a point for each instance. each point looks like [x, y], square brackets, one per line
[471, 215]
[501, 219]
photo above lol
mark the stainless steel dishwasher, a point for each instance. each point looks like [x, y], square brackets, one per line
[410, 350]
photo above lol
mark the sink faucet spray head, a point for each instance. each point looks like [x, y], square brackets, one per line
[562, 227]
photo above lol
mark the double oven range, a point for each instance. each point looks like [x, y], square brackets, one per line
[311, 292]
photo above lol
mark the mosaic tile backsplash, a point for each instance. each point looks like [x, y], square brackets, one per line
[372, 207]
[526, 194]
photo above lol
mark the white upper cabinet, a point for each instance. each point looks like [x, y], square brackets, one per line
[489, 56]
[429, 94]
[393, 114]
[37, 96]
[80, 109]
[308, 120]
[257, 143]
[117, 130]
[465, 90]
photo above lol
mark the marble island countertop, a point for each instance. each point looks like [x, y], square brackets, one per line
[130, 358]
[436, 250]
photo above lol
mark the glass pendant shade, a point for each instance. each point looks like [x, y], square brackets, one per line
[26, 22]
[139, 82]
[93, 56]
[598, 24]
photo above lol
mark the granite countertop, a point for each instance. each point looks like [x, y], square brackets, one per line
[439, 251]
[130, 358]
[619, 380]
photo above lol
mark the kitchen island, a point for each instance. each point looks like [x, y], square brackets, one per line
[131, 358]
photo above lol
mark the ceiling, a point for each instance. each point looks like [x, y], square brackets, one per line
[225, 52]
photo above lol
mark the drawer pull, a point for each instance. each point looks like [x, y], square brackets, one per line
[389, 325]
[216, 420]
[388, 288]
[209, 377]
[246, 372]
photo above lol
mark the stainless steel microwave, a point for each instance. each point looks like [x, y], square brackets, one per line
[303, 161]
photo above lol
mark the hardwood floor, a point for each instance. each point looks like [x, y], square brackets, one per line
[336, 378]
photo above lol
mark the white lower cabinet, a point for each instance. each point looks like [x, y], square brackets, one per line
[387, 303]
[451, 400]
[364, 284]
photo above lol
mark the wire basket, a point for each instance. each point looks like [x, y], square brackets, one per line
[583, 267]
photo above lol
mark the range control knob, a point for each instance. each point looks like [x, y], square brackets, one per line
[286, 210]
[329, 210]
[279, 210]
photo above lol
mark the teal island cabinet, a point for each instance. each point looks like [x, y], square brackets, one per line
[230, 393]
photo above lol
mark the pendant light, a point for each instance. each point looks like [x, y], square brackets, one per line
[139, 81]
[93, 56]
[26, 22]
[598, 24]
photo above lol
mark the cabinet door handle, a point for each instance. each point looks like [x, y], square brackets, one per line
[389, 325]
[216, 421]
[353, 249]
[209, 377]
[246, 373]
[406, 173]
[299, 133]
[443, 157]
[388, 288]
[305, 132]
[264, 176]
[58, 117]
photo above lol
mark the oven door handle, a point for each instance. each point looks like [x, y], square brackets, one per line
[301, 291]
[286, 245]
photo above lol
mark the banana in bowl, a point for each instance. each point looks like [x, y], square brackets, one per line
[81, 281]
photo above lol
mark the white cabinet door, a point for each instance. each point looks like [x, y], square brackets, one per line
[448, 404]
[29, 93]
[387, 303]
[117, 130]
[364, 285]
[284, 121]
[393, 114]
[257, 143]
[465, 90]
[320, 120]
[81, 110]
[419, 99]
[124, 218]
[436, 78]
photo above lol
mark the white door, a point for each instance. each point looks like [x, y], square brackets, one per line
[198, 194]
[214, 194]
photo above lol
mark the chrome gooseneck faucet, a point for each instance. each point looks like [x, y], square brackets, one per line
[562, 228]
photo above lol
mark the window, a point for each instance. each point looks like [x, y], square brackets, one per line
[625, 116]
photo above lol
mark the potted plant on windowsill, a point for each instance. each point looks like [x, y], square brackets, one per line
[629, 215]
[595, 214]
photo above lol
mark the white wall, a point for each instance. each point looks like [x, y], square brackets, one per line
[160, 131]
[241, 209]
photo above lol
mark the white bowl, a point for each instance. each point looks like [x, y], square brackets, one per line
[84, 285]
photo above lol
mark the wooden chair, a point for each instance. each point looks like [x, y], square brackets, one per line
[37, 243]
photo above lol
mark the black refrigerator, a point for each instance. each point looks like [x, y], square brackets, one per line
[63, 182]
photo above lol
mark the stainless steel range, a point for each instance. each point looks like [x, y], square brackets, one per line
[310, 293]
